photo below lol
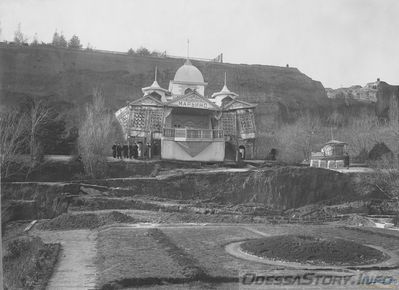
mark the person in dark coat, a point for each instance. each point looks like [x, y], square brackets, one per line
[130, 151]
[346, 160]
[148, 151]
[135, 152]
[272, 154]
[119, 151]
[125, 151]
[140, 150]
[114, 150]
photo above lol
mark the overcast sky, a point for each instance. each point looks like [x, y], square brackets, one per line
[338, 42]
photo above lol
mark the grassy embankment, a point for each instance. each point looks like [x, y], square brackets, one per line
[29, 263]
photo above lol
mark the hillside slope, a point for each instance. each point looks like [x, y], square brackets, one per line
[70, 76]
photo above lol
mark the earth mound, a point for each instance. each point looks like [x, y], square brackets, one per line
[357, 220]
[313, 250]
[70, 221]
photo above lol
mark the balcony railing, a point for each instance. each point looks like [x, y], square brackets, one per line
[197, 134]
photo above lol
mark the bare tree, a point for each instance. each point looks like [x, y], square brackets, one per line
[143, 51]
[19, 37]
[74, 42]
[394, 119]
[394, 110]
[59, 40]
[13, 140]
[63, 42]
[386, 169]
[40, 115]
[386, 176]
[56, 39]
[296, 141]
[95, 136]
[336, 119]
[35, 40]
[361, 133]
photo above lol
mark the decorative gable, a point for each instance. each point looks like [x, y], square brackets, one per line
[147, 100]
[238, 104]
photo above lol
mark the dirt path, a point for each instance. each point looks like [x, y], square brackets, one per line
[256, 231]
[75, 268]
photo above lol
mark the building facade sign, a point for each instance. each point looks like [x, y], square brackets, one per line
[192, 104]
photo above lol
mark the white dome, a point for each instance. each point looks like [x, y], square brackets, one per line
[188, 74]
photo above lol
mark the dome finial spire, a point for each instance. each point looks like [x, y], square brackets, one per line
[225, 79]
[188, 62]
[225, 89]
[155, 87]
[188, 48]
[225, 92]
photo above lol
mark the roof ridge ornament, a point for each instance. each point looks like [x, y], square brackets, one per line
[155, 83]
[154, 86]
[188, 48]
[225, 88]
[188, 62]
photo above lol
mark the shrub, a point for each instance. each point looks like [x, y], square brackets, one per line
[29, 263]
[18, 247]
[95, 138]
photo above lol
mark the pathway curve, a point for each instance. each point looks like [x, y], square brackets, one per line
[75, 268]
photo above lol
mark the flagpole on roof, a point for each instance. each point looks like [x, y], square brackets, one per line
[188, 48]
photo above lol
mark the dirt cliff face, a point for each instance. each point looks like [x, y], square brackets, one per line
[387, 97]
[280, 188]
[31, 200]
[368, 93]
[381, 93]
[277, 188]
[70, 75]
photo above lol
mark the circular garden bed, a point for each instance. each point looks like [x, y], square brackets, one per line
[313, 250]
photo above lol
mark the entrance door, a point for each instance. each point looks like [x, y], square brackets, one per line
[230, 151]
[156, 148]
[241, 150]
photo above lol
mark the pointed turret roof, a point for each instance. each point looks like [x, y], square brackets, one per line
[155, 86]
[225, 90]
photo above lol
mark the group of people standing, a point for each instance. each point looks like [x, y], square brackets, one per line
[130, 151]
[126, 151]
